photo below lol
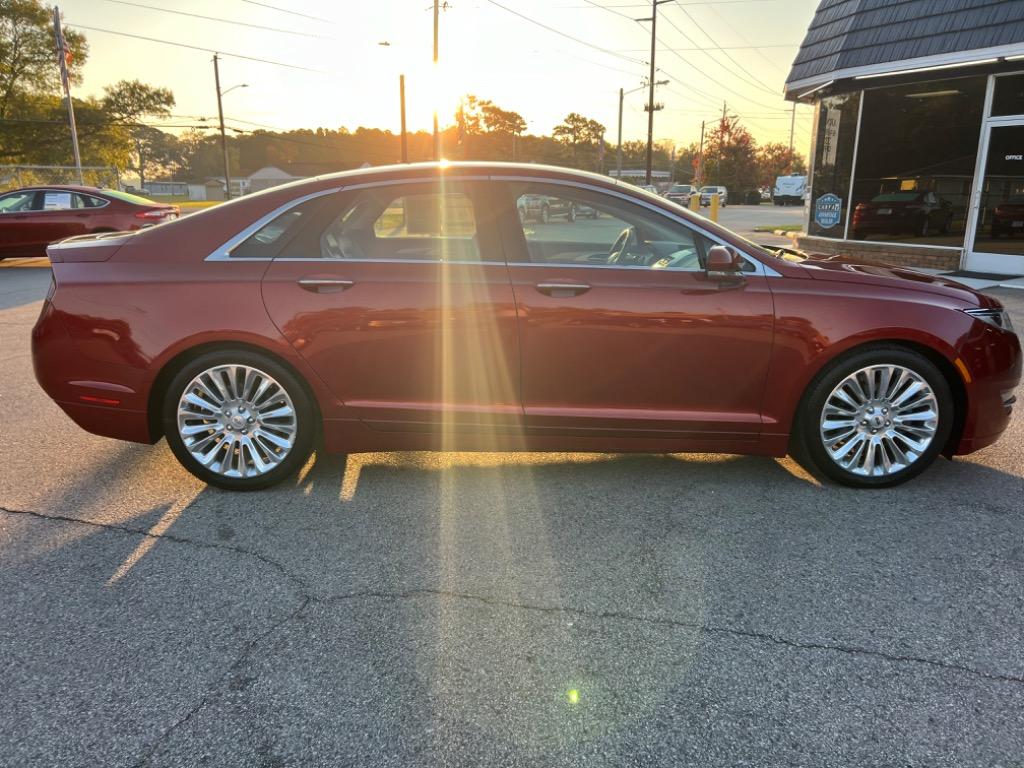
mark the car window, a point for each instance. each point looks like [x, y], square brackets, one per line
[417, 222]
[87, 201]
[57, 200]
[17, 202]
[563, 225]
[267, 241]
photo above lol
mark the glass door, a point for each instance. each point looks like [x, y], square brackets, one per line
[997, 244]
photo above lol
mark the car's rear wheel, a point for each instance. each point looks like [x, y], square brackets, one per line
[238, 419]
[876, 418]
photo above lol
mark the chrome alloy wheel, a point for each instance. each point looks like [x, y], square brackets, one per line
[879, 420]
[237, 421]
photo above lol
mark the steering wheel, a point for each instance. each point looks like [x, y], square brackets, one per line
[619, 253]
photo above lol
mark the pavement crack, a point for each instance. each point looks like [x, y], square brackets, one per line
[709, 629]
[303, 588]
[221, 685]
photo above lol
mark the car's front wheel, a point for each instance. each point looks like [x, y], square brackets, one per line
[238, 419]
[876, 418]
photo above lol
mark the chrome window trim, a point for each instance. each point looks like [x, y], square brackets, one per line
[223, 253]
[760, 268]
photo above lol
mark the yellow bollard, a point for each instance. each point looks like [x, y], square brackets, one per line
[695, 202]
[714, 207]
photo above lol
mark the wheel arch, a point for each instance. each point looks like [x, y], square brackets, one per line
[158, 389]
[946, 365]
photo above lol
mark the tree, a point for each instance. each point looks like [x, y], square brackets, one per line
[127, 102]
[774, 160]
[28, 55]
[576, 131]
[730, 157]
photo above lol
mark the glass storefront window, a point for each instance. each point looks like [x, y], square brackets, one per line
[915, 162]
[833, 161]
[1008, 97]
[1001, 217]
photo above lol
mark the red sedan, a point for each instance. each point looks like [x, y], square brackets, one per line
[1008, 217]
[409, 308]
[34, 217]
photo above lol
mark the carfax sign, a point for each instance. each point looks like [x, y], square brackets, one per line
[828, 210]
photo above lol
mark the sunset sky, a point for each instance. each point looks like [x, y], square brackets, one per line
[486, 49]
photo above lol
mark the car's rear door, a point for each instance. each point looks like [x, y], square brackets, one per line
[645, 344]
[398, 296]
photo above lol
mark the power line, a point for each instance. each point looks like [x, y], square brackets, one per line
[285, 10]
[693, 21]
[200, 48]
[233, 22]
[566, 35]
[753, 82]
[756, 48]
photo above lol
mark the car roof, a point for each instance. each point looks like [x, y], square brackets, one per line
[60, 187]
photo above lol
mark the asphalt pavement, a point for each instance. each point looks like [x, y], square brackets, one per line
[489, 609]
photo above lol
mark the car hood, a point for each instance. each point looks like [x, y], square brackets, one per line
[848, 270]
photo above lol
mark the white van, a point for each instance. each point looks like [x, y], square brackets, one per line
[790, 190]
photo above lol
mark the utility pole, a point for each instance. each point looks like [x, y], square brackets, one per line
[650, 89]
[62, 57]
[437, 135]
[700, 158]
[405, 138]
[792, 125]
[223, 135]
[618, 152]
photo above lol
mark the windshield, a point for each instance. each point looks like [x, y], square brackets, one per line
[681, 188]
[709, 190]
[127, 197]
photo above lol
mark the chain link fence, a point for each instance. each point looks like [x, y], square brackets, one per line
[15, 176]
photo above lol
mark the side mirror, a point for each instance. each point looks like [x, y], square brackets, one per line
[723, 262]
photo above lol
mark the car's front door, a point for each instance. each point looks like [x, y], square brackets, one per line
[622, 330]
[398, 296]
[16, 233]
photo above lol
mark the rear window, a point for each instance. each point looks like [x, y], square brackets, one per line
[127, 197]
[896, 197]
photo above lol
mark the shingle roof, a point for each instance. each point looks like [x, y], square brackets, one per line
[846, 34]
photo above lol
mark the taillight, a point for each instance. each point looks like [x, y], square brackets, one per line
[158, 213]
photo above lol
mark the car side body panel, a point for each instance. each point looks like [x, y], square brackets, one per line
[122, 313]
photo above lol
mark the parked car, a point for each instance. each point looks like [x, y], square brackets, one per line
[543, 208]
[902, 213]
[790, 190]
[707, 192]
[681, 193]
[33, 217]
[407, 308]
[1008, 217]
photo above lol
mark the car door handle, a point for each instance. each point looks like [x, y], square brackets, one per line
[562, 290]
[324, 284]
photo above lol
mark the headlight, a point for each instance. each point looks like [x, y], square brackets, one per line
[1000, 318]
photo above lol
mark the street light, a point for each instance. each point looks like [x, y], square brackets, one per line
[223, 135]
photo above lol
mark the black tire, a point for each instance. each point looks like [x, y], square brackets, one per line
[808, 447]
[305, 417]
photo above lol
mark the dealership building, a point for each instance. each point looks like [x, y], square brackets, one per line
[918, 154]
